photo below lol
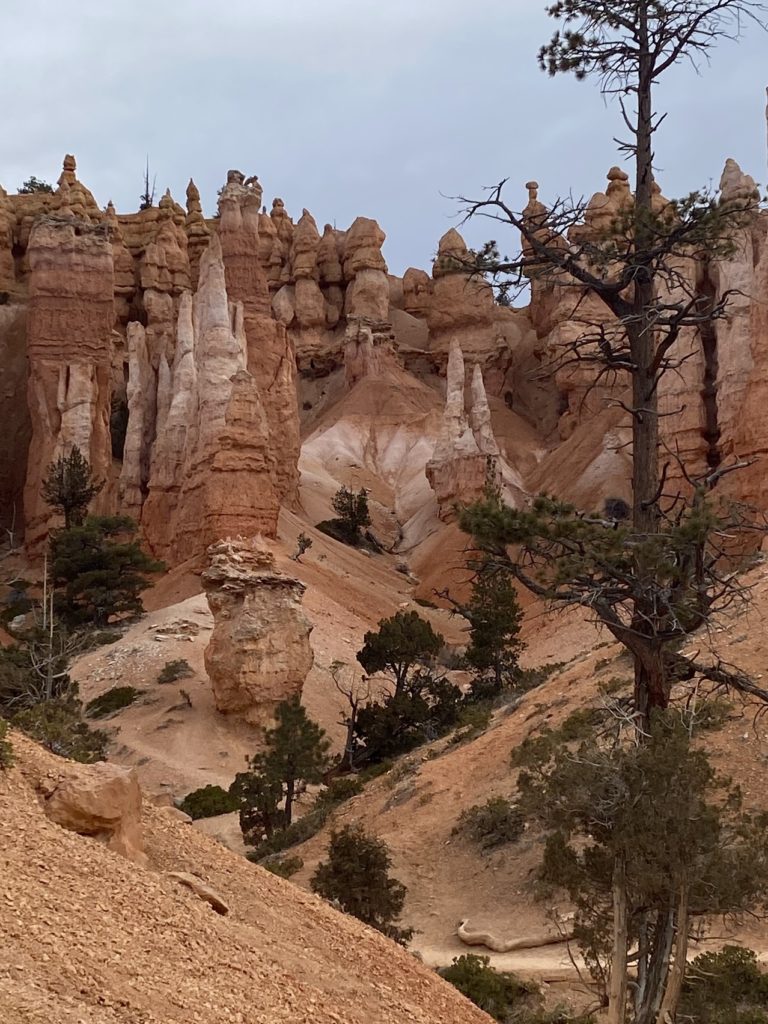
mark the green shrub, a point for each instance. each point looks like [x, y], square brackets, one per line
[474, 719]
[580, 724]
[494, 823]
[207, 802]
[99, 570]
[727, 987]
[338, 790]
[173, 670]
[113, 700]
[297, 832]
[285, 867]
[57, 724]
[373, 771]
[529, 678]
[19, 605]
[499, 993]
[104, 637]
[613, 685]
[6, 750]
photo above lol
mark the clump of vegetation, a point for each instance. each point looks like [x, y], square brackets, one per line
[727, 987]
[103, 637]
[421, 706]
[670, 833]
[111, 701]
[208, 802]
[303, 543]
[352, 517]
[474, 719]
[401, 643]
[338, 791]
[494, 823]
[17, 602]
[499, 993]
[356, 875]
[495, 617]
[6, 750]
[179, 668]
[57, 725]
[283, 837]
[285, 867]
[35, 185]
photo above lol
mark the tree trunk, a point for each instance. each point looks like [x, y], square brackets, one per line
[649, 673]
[676, 973]
[617, 993]
[290, 788]
[658, 968]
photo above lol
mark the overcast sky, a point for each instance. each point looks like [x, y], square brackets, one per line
[347, 107]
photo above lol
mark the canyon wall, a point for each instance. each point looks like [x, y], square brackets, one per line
[182, 354]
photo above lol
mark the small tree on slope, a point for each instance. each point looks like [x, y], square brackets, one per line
[357, 875]
[296, 754]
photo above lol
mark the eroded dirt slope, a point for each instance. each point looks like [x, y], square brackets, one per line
[90, 938]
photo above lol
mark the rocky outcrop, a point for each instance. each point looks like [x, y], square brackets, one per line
[365, 269]
[16, 431]
[552, 937]
[259, 653]
[69, 347]
[203, 891]
[466, 452]
[736, 356]
[99, 800]
[270, 358]
[368, 349]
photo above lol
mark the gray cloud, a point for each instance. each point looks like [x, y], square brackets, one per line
[344, 107]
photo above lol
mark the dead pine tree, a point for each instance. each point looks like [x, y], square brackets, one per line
[656, 576]
[356, 691]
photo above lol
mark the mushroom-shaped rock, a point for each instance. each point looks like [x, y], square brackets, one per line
[259, 653]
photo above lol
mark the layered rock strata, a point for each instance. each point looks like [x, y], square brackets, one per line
[69, 348]
[259, 653]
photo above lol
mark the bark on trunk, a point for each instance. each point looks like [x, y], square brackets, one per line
[617, 993]
[676, 974]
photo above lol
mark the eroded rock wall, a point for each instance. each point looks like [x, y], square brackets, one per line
[69, 347]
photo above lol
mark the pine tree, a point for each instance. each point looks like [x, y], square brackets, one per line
[297, 753]
[100, 570]
[400, 643]
[258, 799]
[352, 510]
[644, 838]
[356, 874]
[70, 487]
[495, 618]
